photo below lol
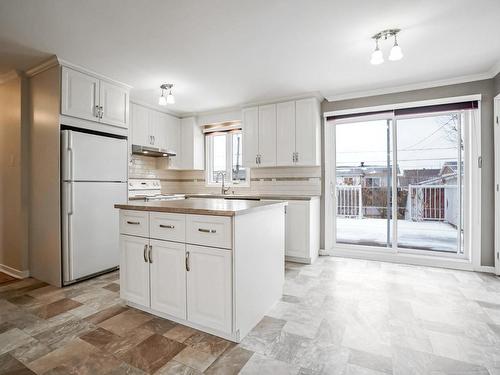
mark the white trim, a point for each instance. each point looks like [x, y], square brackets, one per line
[18, 274]
[154, 108]
[496, 188]
[42, 67]
[391, 107]
[495, 69]
[416, 260]
[332, 97]
[10, 75]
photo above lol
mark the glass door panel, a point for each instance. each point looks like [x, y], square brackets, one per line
[363, 189]
[430, 182]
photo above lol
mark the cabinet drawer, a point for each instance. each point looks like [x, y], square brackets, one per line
[166, 226]
[212, 231]
[135, 223]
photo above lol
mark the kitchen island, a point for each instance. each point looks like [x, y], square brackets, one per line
[212, 264]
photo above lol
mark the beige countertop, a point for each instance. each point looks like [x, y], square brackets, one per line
[201, 206]
[255, 196]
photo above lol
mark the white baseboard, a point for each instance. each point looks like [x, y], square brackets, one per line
[416, 260]
[14, 272]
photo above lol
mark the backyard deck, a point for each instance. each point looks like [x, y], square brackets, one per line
[427, 235]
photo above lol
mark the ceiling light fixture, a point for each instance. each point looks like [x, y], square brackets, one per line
[169, 99]
[396, 52]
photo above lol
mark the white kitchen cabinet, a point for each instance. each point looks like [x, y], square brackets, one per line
[209, 293]
[307, 132]
[267, 135]
[250, 130]
[302, 230]
[139, 123]
[168, 269]
[192, 148]
[134, 269]
[157, 129]
[89, 98]
[173, 141]
[80, 95]
[285, 133]
[114, 104]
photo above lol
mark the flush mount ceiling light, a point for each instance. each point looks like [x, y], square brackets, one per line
[169, 99]
[396, 52]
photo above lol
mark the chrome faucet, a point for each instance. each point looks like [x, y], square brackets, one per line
[223, 189]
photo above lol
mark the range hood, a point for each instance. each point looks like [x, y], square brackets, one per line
[151, 151]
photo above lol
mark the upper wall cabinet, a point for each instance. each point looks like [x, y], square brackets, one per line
[283, 134]
[192, 145]
[89, 98]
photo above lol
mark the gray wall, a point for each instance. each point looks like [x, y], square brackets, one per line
[13, 174]
[497, 84]
[488, 89]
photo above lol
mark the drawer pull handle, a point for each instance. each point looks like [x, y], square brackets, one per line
[207, 230]
[144, 254]
[188, 267]
[133, 222]
[150, 255]
[167, 226]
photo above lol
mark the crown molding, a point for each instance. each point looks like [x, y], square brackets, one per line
[411, 87]
[495, 69]
[9, 76]
[315, 94]
[42, 67]
[154, 108]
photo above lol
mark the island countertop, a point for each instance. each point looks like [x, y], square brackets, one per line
[201, 206]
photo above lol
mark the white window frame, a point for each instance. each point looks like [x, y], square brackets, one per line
[472, 201]
[229, 160]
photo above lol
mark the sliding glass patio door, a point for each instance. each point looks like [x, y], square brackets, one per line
[399, 182]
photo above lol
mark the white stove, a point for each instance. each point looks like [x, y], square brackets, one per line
[149, 190]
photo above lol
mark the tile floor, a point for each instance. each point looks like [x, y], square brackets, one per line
[338, 316]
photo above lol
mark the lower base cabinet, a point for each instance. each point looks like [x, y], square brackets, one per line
[209, 287]
[188, 282]
[168, 278]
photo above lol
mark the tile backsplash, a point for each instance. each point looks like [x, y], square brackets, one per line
[277, 180]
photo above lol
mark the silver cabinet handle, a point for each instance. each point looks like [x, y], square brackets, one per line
[133, 222]
[207, 230]
[150, 255]
[188, 267]
[144, 254]
[96, 111]
[101, 112]
[167, 226]
[296, 157]
[256, 159]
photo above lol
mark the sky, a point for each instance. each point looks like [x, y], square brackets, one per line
[425, 142]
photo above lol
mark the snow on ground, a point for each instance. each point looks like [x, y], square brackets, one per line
[428, 235]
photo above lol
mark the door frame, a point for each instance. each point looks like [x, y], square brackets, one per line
[471, 226]
[496, 145]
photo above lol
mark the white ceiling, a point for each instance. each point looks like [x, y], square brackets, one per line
[223, 53]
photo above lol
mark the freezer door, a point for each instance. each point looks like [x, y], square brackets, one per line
[90, 227]
[89, 157]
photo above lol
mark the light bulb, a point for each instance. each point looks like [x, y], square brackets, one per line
[162, 100]
[170, 98]
[396, 52]
[377, 57]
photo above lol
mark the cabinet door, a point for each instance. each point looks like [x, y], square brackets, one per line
[174, 141]
[307, 132]
[285, 131]
[209, 291]
[267, 135]
[114, 104]
[168, 278]
[154, 129]
[140, 125]
[250, 129]
[160, 135]
[134, 270]
[79, 95]
[297, 229]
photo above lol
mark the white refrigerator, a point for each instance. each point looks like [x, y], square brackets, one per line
[94, 179]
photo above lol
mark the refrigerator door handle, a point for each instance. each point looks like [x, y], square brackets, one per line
[70, 155]
[70, 199]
